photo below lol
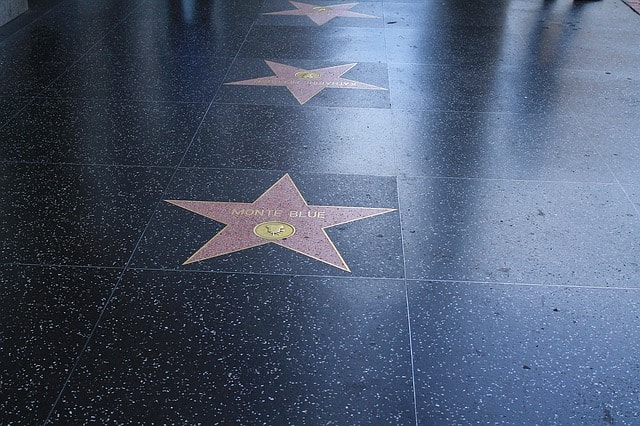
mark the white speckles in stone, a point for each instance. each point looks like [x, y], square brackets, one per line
[292, 360]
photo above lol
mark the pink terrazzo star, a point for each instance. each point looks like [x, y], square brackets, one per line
[305, 84]
[322, 14]
[282, 217]
[633, 4]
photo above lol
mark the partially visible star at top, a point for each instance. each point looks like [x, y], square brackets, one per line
[322, 14]
[305, 84]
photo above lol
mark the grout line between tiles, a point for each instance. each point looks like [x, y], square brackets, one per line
[321, 276]
[126, 266]
[516, 284]
[76, 362]
[598, 152]
[394, 142]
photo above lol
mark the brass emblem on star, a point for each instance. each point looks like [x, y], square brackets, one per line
[322, 9]
[274, 230]
[307, 75]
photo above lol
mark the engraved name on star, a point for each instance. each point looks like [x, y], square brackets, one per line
[305, 84]
[322, 14]
[279, 216]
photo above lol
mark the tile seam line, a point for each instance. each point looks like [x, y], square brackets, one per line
[261, 170]
[18, 112]
[292, 105]
[265, 274]
[508, 66]
[394, 143]
[200, 271]
[40, 97]
[80, 57]
[116, 286]
[400, 176]
[596, 148]
[294, 275]
[408, 307]
[62, 265]
[305, 106]
[404, 176]
[172, 167]
[484, 112]
[471, 111]
[81, 164]
[156, 55]
[19, 31]
[118, 283]
[523, 284]
[291, 172]
[345, 277]
[570, 182]
[634, 205]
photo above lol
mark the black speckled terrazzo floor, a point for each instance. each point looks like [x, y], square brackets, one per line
[497, 143]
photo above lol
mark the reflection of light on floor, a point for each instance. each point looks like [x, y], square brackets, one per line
[188, 10]
[520, 27]
[513, 90]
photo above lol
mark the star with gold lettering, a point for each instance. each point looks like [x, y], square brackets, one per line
[279, 216]
[305, 84]
[322, 14]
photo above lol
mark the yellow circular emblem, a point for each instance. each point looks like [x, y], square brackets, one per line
[307, 75]
[274, 230]
[322, 9]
